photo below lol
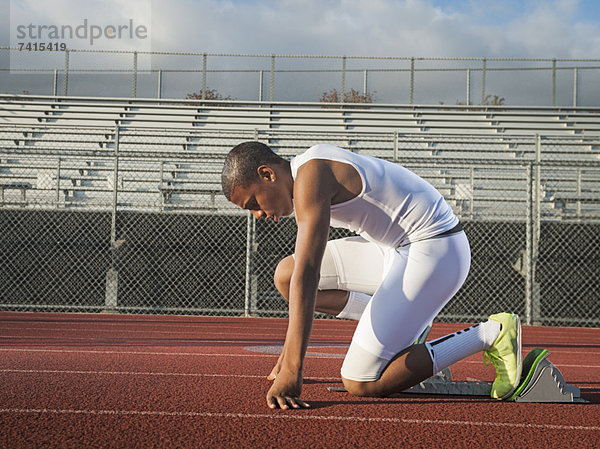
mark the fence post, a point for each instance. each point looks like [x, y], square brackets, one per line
[528, 259]
[395, 146]
[472, 196]
[468, 87]
[66, 74]
[250, 291]
[535, 287]
[134, 80]
[412, 80]
[204, 64]
[55, 82]
[343, 79]
[483, 74]
[260, 85]
[159, 92]
[112, 275]
[58, 162]
[554, 82]
[575, 86]
[365, 83]
[578, 194]
[272, 82]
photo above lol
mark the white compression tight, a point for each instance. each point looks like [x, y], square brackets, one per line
[409, 286]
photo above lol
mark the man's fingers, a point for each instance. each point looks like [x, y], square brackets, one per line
[277, 401]
[303, 404]
[282, 403]
[295, 402]
[285, 403]
[271, 402]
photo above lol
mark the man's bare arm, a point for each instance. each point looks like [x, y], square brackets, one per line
[313, 190]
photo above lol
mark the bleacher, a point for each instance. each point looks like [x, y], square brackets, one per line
[62, 151]
[285, 116]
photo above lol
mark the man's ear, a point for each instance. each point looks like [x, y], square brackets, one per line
[266, 173]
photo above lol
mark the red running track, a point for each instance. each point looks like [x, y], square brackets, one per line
[83, 381]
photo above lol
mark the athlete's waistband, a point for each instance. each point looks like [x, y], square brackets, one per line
[455, 230]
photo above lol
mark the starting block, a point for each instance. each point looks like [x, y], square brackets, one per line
[541, 381]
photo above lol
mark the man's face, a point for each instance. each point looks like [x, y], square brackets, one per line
[265, 198]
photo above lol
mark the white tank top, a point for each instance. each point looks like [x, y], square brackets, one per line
[394, 208]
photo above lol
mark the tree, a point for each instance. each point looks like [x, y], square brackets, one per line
[493, 100]
[209, 94]
[353, 96]
[489, 100]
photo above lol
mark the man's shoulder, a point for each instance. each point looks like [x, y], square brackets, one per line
[321, 151]
[323, 147]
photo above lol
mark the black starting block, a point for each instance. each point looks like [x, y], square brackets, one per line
[541, 381]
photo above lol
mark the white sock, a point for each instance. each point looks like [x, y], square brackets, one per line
[448, 350]
[355, 306]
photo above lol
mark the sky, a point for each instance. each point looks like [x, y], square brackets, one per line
[433, 28]
[398, 28]
[523, 28]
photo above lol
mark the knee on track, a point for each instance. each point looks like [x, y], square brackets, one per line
[361, 389]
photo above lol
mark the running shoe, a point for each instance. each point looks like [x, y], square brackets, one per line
[505, 355]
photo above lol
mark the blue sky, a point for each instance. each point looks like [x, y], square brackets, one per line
[504, 11]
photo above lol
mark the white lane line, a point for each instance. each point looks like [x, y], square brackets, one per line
[255, 354]
[90, 351]
[191, 332]
[197, 331]
[332, 356]
[148, 373]
[98, 340]
[440, 422]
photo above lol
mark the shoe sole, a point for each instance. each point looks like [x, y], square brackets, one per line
[519, 365]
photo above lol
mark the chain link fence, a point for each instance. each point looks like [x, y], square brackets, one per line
[133, 220]
[296, 77]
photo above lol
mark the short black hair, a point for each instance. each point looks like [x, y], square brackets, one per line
[242, 162]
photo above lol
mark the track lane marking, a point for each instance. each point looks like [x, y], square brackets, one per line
[150, 373]
[332, 356]
[99, 340]
[153, 331]
[96, 351]
[440, 422]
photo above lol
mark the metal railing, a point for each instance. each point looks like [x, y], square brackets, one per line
[276, 77]
[132, 220]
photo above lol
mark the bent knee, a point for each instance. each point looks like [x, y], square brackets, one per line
[361, 389]
[283, 275]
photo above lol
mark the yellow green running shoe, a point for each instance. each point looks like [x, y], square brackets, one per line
[505, 355]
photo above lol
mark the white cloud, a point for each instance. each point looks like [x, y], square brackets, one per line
[404, 28]
[425, 28]
[400, 28]
[377, 27]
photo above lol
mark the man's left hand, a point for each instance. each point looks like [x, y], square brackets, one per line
[285, 391]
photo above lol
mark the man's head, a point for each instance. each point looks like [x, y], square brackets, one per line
[257, 179]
